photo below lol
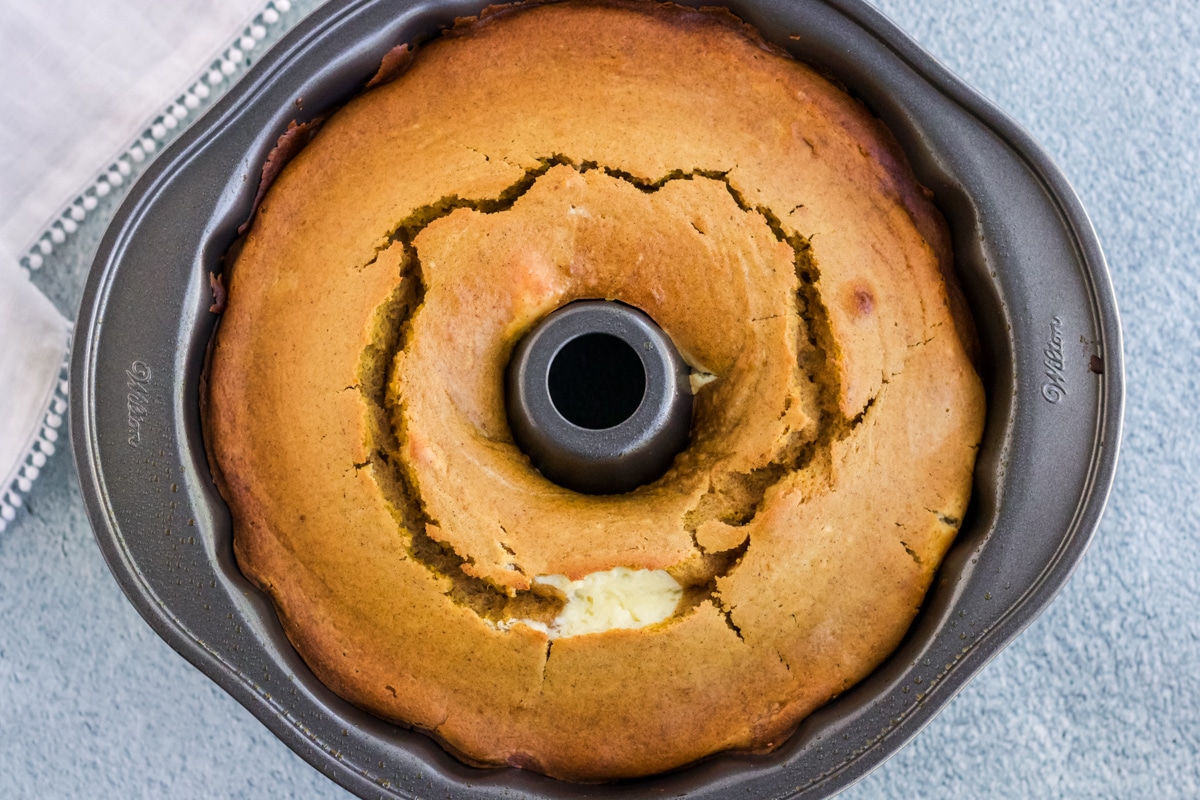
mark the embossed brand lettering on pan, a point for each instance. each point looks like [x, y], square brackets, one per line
[1055, 387]
[138, 400]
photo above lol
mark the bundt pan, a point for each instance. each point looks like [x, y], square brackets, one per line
[1029, 263]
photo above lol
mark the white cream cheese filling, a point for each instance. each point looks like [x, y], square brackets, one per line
[603, 601]
[698, 379]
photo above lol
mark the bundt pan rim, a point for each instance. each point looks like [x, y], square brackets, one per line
[1026, 255]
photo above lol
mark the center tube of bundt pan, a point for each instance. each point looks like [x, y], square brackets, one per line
[598, 397]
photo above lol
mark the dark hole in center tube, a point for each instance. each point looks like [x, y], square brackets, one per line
[596, 381]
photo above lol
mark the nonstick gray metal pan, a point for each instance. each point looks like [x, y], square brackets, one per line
[1028, 261]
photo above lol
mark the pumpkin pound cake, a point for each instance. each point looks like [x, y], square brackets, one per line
[355, 415]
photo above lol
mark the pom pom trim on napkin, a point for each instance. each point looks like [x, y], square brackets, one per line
[240, 52]
[44, 443]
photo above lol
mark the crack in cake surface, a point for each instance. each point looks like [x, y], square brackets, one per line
[732, 498]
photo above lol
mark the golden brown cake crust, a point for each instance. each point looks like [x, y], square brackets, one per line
[653, 154]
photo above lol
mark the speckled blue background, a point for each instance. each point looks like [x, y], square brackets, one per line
[1099, 698]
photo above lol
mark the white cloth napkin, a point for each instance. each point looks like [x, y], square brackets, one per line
[79, 79]
[33, 339]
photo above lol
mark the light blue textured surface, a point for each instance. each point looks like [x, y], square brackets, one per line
[1099, 698]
